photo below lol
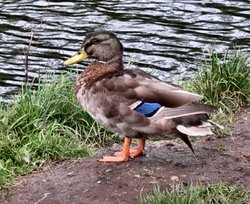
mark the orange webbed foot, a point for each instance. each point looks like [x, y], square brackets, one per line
[123, 156]
[112, 159]
[139, 150]
[126, 152]
[132, 153]
[136, 153]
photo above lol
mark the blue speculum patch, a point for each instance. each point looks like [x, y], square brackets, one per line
[148, 109]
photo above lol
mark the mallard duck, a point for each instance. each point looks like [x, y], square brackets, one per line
[132, 102]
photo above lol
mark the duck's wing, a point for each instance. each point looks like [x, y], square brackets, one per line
[135, 94]
[140, 86]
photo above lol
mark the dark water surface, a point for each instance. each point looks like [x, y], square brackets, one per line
[170, 35]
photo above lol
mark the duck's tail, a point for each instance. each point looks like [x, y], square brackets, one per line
[197, 125]
[202, 129]
[189, 120]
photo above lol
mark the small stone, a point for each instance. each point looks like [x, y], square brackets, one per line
[174, 178]
[246, 156]
[70, 173]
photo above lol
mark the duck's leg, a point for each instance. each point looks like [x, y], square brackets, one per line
[124, 154]
[135, 152]
[139, 150]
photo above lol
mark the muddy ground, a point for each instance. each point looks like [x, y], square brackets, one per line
[88, 181]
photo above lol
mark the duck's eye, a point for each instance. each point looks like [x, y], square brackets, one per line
[95, 41]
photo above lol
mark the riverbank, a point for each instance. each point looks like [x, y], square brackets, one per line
[220, 168]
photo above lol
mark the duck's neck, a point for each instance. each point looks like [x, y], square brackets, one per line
[116, 62]
[95, 71]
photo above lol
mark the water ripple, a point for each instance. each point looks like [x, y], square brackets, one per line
[167, 37]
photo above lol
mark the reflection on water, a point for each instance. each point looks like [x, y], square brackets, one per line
[163, 35]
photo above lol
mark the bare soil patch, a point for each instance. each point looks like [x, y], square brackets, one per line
[88, 181]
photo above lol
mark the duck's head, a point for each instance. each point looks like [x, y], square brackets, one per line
[103, 46]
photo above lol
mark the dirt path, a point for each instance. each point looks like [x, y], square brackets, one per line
[87, 181]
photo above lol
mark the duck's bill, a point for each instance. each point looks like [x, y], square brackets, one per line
[77, 58]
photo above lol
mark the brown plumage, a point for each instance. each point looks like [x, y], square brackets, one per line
[132, 102]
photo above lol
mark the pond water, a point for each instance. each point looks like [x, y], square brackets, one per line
[161, 35]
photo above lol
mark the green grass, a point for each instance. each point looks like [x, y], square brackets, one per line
[42, 125]
[224, 81]
[201, 194]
